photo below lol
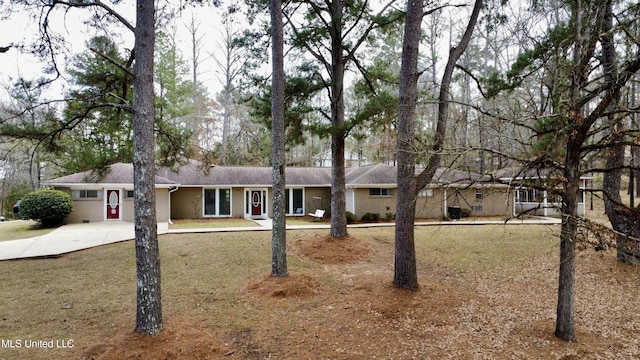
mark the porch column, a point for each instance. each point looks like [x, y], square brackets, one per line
[444, 203]
[544, 201]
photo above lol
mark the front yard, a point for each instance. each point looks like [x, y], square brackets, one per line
[486, 292]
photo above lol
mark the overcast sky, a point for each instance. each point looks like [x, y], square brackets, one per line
[19, 29]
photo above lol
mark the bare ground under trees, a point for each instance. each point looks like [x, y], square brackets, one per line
[342, 305]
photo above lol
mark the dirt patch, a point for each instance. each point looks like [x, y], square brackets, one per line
[183, 337]
[327, 249]
[294, 285]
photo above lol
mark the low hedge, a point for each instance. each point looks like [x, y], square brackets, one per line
[371, 217]
[351, 217]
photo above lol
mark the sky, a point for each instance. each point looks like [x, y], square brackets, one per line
[19, 29]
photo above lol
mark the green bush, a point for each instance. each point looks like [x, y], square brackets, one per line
[351, 217]
[371, 217]
[49, 207]
[465, 213]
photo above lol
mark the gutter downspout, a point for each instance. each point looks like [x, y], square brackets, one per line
[514, 202]
[172, 190]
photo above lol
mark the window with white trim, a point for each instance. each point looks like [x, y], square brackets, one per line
[217, 202]
[380, 192]
[86, 194]
[527, 195]
[295, 201]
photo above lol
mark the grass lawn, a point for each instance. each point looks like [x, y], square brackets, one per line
[305, 221]
[20, 229]
[224, 222]
[210, 223]
[486, 292]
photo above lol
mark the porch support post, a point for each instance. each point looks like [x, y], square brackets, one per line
[444, 204]
[515, 194]
[544, 203]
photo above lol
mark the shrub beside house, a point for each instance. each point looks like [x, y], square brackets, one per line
[49, 207]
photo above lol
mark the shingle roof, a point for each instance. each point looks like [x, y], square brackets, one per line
[517, 173]
[379, 174]
[445, 176]
[195, 173]
[514, 173]
[117, 174]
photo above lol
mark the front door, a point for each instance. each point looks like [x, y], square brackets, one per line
[256, 203]
[113, 205]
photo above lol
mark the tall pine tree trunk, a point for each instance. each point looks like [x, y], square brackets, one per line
[278, 240]
[405, 273]
[338, 177]
[615, 153]
[565, 326]
[149, 300]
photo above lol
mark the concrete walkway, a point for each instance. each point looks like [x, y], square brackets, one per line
[74, 237]
[70, 238]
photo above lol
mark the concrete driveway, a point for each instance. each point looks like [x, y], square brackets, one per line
[69, 238]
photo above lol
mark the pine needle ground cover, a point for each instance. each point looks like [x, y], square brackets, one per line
[486, 292]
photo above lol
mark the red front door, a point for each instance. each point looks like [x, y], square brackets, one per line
[256, 203]
[113, 204]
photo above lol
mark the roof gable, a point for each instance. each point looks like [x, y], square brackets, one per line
[379, 174]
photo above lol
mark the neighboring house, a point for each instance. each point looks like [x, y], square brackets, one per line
[196, 192]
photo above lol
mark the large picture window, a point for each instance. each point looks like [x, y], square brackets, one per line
[217, 202]
[295, 202]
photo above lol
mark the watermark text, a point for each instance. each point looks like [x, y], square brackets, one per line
[36, 344]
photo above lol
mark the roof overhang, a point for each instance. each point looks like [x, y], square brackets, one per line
[92, 186]
[369, 186]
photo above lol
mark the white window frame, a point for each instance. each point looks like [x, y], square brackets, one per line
[218, 192]
[384, 192]
[290, 210]
[81, 194]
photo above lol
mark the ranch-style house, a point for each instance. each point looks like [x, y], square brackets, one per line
[196, 192]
